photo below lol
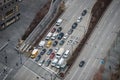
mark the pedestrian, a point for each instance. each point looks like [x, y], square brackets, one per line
[5, 59]
[4, 70]
[16, 64]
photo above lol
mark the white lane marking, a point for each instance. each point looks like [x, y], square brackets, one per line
[90, 69]
[85, 67]
[74, 74]
[7, 74]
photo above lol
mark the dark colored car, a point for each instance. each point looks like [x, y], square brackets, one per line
[52, 55]
[81, 63]
[37, 58]
[84, 12]
[59, 29]
[47, 62]
[53, 30]
[49, 51]
[55, 43]
[70, 31]
[60, 36]
[74, 25]
[43, 51]
[61, 42]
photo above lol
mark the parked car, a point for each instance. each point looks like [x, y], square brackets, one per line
[41, 62]
[47, 62]
[49, 51]
[56, 49]
[84, 12]
[55, 43]
[81, 63]
[49, 43]
[52, 55]
[58, 22]
[70, 31]
[54, 36]
[60, 35]
[53, 30]
[37, 58]
[65, 36]
[59, 29]
[74, 25]
[43, 51]
[66, 53]
[79, 19]
[61, 42]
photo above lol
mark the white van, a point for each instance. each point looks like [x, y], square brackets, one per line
[60, 63]
[55, 60]
[59, 21]
[66, 53]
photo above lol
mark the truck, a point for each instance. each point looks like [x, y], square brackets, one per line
[61, 63]
[54, 62]
[48, 36]
[58, 22]
[60, 52]
[41, 44]
[34, 53]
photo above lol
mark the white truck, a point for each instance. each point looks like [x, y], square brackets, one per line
[41, 44]
[54, 62]
[58, 22]
[60, 52]
[61, 63]
[48, 36]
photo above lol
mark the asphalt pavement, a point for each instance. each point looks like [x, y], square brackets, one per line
[9, 57]
[69, 17]
[97, 46]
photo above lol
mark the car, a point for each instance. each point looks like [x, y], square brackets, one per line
[65, 36]
[84, 12]
[49, 43]
[49, 51]
[60, 35]
[52, 55]
[43, 51]
[58, 22]
[79, 19]
[59, 29]
[41, 62]
[61, 42]
[55, 43]
[54, 36]
[37, 58]
[56, 49]
[66, 53]
[53, 30]
[74, 25]
[81, 63]
[70, 31]
[47, 63]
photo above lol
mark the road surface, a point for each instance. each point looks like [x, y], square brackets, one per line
[98, 44]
